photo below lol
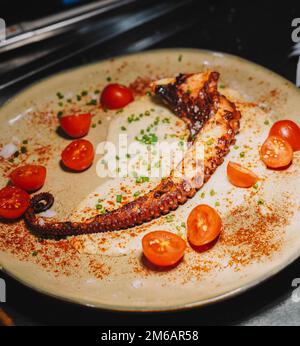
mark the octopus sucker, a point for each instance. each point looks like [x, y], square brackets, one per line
[196, 100]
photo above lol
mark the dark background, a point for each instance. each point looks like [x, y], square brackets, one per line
[256, 30]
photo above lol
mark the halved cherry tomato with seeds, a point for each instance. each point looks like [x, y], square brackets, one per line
[276, 152]
[203, 225]
[29, 177]
[76, 125]
[163, 248]
[240, 176]
[115, 96]
[13, 202]
[78, 155]
[287, 130]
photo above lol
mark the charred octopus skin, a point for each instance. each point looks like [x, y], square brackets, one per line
[195, 99]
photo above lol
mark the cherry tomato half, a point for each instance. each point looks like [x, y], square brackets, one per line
[29, 177]
[76, 125]
[276, 152]
[288, 130]
[163, 248]
[203, 225]
[78, 155]
[13, 202]
[240, 176]
[115, 96]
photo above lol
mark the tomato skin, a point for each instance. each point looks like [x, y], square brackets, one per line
[13, 202]
[76, 125]
[78, 155]
[29, 177]
[276, 152]
[288, 130]
[240, 176]
[206, 247]
[204, 225]
[163, 248]
[115, 96]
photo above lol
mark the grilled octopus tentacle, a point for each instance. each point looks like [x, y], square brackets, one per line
[196, 100]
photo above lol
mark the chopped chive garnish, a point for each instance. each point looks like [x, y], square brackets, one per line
[23, 150]
[181, 144]
[60, 95]
[180, 58]
[78, 97]
[123, 128]
[148, 93]
[236, 147]
[97, 91]
[132, 118]
[217, 204]
[92, 102]
[202, 195]
[255, 186]
[25, 141]
[108, 79]
[150, 138]
[242, 154]
[267, 122]
[260, 201]
[212, 192]
[99, 206]
[170, 218]
[142, 179]
[59, 114]
[84, 93]
[94, 125]
[136, 194]
[119, 198]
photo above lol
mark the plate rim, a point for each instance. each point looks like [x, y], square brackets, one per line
[172, 308]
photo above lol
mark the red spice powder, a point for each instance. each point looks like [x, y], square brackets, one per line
[140, 86]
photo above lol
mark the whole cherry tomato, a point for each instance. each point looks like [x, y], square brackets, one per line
[115, 96]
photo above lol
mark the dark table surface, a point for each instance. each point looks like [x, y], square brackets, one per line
[258, 31]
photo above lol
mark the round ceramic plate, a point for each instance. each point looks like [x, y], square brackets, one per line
[261, 225]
